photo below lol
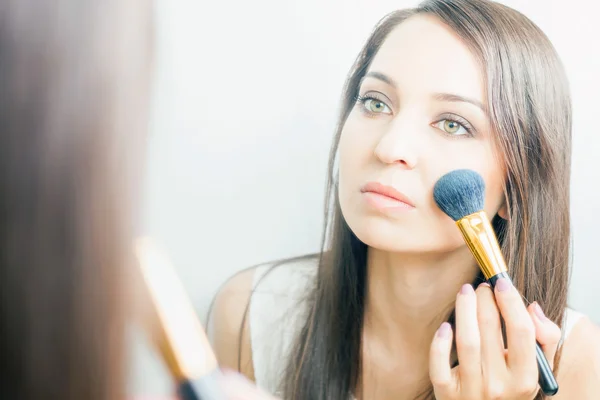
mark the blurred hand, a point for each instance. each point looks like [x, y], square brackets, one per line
[237, 387]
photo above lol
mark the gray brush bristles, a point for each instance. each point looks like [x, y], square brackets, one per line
[460, 193]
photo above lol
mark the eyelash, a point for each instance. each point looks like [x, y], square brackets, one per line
[444, 117]
[459, 120]
[362, 99]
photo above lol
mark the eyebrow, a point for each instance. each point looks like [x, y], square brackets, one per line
[454, 98]
[448, 97]
[381, 77]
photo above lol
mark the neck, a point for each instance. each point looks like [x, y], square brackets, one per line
[410, 295]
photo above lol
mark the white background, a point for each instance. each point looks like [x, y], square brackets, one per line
[246, 101]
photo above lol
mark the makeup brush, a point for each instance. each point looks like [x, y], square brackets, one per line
[461, 194]
[169, 319]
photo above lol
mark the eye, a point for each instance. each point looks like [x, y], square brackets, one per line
[372, 105]
[452, 127]
[376, 106]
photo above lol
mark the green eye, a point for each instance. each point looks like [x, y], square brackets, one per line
[372, 106]
[376, 106]
[452, 127]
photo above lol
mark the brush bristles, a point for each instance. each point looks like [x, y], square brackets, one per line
[460, 193]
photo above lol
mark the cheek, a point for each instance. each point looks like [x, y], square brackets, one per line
[355, 150]
[494, 194]
[491, 168]
[476, 156]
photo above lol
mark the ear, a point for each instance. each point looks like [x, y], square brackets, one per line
[503, 211]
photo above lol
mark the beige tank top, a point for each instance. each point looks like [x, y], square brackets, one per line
[277, 311]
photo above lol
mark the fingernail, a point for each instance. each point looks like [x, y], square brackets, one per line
[503, 285]
[466, 289]
[484, 284]
[539, 312]
[444, 331]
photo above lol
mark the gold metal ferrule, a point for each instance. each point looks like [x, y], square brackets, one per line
[483, 243]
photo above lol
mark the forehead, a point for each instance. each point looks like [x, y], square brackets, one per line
[422, 55]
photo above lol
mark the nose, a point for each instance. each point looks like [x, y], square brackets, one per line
[400, 143]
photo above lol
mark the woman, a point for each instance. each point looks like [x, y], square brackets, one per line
[392, 308]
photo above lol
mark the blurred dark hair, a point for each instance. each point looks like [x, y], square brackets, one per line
[73, 88]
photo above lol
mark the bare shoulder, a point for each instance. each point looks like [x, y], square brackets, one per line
[276, 290]
[579, 373]
[228, 327]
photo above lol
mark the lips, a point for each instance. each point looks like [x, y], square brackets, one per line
[386, 191]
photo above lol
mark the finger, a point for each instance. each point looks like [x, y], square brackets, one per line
[440, 372]
[520, 332]
[468, 342]
[547, 333]
[493, 361]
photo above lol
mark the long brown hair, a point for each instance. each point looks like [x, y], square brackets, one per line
[530, 109]
[73, 82]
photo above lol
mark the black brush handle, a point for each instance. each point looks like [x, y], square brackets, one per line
[546, 379]
[204, 388]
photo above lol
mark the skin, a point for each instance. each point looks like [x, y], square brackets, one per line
[404, 134]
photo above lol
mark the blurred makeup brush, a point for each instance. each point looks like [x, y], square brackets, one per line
[171, 323]
[461, 194]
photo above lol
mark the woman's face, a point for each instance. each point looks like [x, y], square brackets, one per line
[421, 113]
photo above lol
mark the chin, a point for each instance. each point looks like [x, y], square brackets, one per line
[386, 235]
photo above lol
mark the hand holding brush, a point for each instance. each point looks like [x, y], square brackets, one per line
[486, 366]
